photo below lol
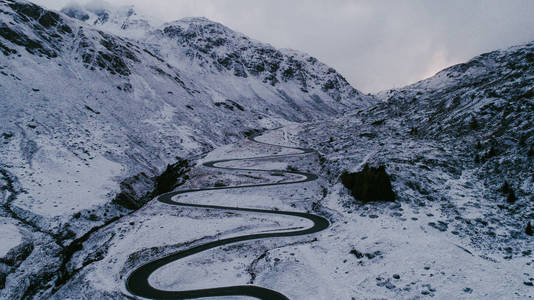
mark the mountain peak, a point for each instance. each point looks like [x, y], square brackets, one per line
[120, 20]
[197, 20]
[201, 26]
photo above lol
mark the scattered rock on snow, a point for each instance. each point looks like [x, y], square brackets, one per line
[440, 225]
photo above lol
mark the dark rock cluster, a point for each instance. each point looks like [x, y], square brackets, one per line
[137, 190]
[48, 26]
[370, 184]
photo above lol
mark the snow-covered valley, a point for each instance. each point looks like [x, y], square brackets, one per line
[376, 250]
[103, 110]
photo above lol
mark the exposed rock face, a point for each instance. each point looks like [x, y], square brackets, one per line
[42, 34]
[173, 176]
[137, 190]
[217, 47]
[529, 230]
[370, 184]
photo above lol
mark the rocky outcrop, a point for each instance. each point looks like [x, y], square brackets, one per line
[173, 176]
[370, 184]
[137, 190]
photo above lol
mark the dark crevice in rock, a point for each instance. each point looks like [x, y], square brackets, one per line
[173, 176]
[370, 184]
[64, 274]
[16, 255]
[253, 132]
[12, 260]
[529, 230]
[135, 191]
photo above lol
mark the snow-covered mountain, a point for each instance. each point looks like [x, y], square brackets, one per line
[472, 122]
[97, 101]
[102, 108]
[211, 48]
[119, 20]
[79, 101]
[459, 150]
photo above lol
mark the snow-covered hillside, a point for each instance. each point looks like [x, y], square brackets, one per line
[97, 104]
[78, 101]
[459, 148]
[211, 48]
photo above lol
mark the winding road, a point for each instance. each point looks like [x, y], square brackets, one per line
[137, 282]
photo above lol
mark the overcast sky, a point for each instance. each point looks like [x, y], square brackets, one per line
[376, 45]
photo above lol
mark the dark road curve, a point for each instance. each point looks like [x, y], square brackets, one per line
[137, 281]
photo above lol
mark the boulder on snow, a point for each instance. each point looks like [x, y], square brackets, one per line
[370, 184]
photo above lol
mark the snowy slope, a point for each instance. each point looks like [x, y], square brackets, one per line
[100, 102]
[78, 101]
[211, 47]
[459, 148]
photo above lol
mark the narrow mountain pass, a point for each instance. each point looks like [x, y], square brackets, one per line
[138, 283]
